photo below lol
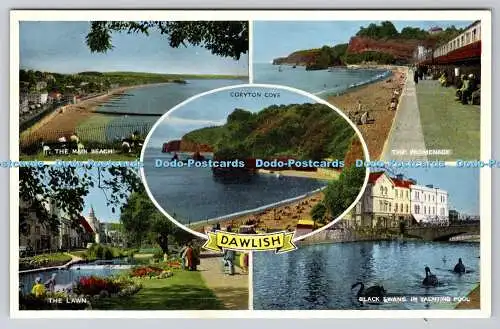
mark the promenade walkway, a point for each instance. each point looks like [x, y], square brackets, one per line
[231, 290]
[406, 133]
[430, 118]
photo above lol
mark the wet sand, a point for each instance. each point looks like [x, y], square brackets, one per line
[376, 99]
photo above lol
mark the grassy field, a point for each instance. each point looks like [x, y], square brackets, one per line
[183, 291]
[448, 124]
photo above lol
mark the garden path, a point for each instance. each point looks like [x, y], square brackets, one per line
[231, 290]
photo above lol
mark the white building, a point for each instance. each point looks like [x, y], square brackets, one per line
[95, 225]
[429, 204]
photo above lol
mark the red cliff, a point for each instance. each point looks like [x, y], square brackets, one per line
[400, 49]
[185, 146]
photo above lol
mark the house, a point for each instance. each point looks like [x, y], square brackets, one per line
[429, 204]
[402, 196]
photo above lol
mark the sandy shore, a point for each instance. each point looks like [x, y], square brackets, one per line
[278, 218]
[67, 118]
[375, 98]
[475, 300]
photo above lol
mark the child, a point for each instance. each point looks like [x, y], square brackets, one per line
[38, 289]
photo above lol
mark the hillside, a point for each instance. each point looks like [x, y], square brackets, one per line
[303, 131]
[381, 44]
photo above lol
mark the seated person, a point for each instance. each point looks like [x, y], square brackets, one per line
[467, 89]
[460, 85]
[476, 96]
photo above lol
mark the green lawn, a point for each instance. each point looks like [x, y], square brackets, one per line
[448, 124]
[183, 291]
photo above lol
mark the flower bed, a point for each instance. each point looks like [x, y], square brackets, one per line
[150, 272]
[44, 260]
[84, 292]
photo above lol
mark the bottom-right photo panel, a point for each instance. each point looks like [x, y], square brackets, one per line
[411, 243]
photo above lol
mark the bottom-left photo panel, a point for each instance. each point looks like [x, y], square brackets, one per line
[90, 238]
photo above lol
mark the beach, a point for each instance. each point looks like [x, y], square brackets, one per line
[66, 118]
[278, 218]
[376, 99]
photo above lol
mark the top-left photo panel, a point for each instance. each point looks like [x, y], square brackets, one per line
[94, 89]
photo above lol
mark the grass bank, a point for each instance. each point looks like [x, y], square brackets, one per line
[185, 290]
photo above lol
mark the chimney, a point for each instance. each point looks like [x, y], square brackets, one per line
[430, 186]
[400, 176]
[413, 181]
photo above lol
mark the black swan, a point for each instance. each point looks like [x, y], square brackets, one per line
[374, 291]
[460, 267]
[430, 279]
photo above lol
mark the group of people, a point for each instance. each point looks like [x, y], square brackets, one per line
[190, 257]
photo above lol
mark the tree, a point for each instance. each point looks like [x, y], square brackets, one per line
[64, 188]
[222, 38]
[318, 213]
[142, 221]
[341, 193]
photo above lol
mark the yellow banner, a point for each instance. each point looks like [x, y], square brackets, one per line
[279, 241]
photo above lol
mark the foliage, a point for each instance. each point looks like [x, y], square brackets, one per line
[385, 30]
[341, 193]
[318, 213]
[306, 131]
[144, 222]
[222, 38]
[44, 189]
[369, 56]
[99, 251]
[44, 260]
[329, 56]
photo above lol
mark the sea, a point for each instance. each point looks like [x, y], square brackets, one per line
[322, 83]
[154, 100]
[193, 195]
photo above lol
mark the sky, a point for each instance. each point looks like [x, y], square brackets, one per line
[194, 114]
[280, 38]
[96, 198]
[462, 185]
[60, 47]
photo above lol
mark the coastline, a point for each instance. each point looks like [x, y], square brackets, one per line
[375, 98]
[68, 117]
[266, 218]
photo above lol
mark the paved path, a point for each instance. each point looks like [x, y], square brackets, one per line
[232, 290]
[406, 133]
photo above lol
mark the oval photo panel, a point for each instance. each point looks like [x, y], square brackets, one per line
[254, 159]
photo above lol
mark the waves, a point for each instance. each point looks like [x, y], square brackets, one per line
[340, 89]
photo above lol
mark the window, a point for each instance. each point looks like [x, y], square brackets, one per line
[407, 208]
[381, 205]
[395, 207]
[474, 35]
[407, 194]
[381, 190]
[37, 229]
[425, 210]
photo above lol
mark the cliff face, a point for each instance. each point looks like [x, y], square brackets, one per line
[400, 49]
[301, 57]
[185, 146]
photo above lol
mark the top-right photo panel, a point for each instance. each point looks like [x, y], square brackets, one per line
[413, 88]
